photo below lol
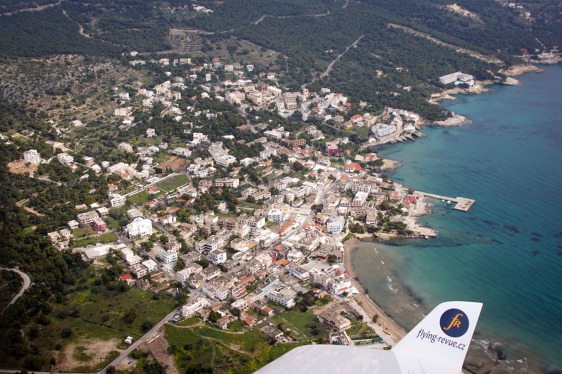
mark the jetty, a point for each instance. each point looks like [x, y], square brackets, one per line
[462, 203]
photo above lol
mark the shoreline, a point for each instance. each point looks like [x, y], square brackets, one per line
[410, 309]
[483, 355]
[387, 325]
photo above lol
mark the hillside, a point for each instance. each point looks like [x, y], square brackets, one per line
[384, 52]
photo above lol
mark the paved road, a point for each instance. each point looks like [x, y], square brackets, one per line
[145, 337]
[26, 284]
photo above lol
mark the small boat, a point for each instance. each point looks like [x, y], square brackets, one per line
[448, 202]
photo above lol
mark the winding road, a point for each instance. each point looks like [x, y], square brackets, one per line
[26, 284]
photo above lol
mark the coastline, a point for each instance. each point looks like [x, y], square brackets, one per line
[484, 352]
[387, 325]
[410, 309]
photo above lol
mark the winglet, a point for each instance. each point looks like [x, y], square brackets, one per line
[438, 344]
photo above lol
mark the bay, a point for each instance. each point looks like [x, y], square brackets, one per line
[507, 250]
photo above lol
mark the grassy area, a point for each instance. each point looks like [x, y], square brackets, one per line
[112, 224]
[94, 314]
[190, 321]
[201, 348]
[139, 199]
[245, 204]
[359, 328]
[249, 342]
[173, 183]
[83, 231]
[195, 353]
[280, 349]
[106, 238]
[297, 321]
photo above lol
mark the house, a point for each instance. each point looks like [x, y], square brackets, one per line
[332, 149]
[150, 265]
[117, 200]
[334, 320]
[87, 218]
[99, 224]
[138, 270]
[168, 258]
[127, 278]
[285, 297]
[269, 329]
[352, 167]
[217, 256]
[32, 156]
[194, 305]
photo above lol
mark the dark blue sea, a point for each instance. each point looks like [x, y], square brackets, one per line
[507, 250]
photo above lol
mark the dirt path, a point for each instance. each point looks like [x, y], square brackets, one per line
[284, 17]
[488, 59]
[32, 211]
[36, 9]
[331, 66]
[80, 27]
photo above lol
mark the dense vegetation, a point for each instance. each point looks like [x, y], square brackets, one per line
[309, 35]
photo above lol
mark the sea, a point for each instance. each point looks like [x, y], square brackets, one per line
[506, 251]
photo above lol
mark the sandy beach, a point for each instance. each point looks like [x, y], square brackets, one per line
[387, 324]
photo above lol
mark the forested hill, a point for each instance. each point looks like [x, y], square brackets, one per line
[380, 46]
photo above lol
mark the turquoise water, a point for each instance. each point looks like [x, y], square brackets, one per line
[507, 250]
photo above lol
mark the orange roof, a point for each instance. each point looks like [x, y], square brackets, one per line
[249, 278]
[285, 226]
[282, 262]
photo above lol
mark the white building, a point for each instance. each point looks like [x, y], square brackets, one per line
[32, 156]
[150, 265]
[381, 130]
[117, 200]
[194, 305]
[217, 256]
[275, 215]
[457, 78]
[140, 227]
[284, 297]
[65, 158]
[335, 224]
[168, 258]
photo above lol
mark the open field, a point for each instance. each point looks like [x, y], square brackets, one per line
[86, 332]
[139, 198]
[106, 238]
[297, 322]
[173, 183]
[204, 346]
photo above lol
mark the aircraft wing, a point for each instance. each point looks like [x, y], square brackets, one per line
[437, 345]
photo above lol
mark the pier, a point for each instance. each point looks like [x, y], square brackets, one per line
[462, 203]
